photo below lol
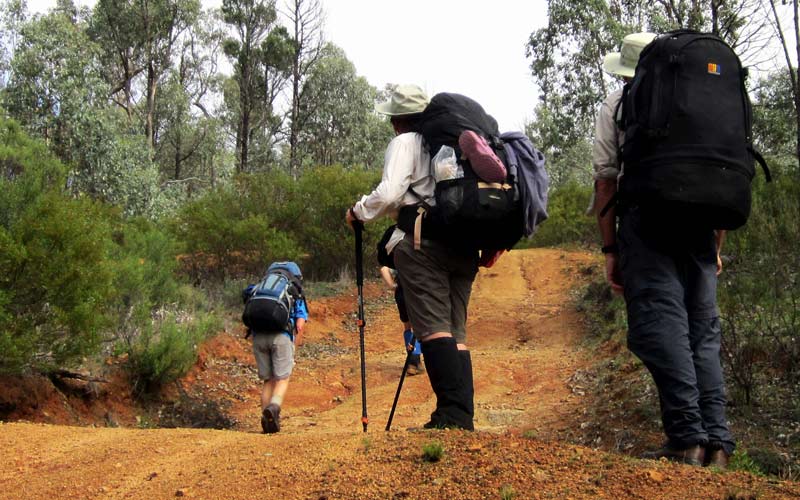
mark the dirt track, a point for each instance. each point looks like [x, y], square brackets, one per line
[524, 336]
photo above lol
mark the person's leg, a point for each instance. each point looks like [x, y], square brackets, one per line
[282, 363]
[266, 393]
[424, 277]
[461, 279]
[705, 335]
[414, 366]
[658, 334]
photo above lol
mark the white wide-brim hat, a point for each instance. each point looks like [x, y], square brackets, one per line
[623, 63]
[404, 100]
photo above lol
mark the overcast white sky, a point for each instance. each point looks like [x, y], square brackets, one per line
[473, 47]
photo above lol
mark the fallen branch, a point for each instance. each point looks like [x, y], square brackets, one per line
[76, 375]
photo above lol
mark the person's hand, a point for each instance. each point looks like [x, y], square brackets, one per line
[349, 217]
[613, 275]
[298, 341]
[719, 264]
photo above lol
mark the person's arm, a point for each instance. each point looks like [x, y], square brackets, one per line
[605, 161]
[605, 190]
[397, 169]
[720, 237]
[386, 274]
[300, 325]
[300, 319]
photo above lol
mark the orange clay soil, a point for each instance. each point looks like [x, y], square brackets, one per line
[525, 339]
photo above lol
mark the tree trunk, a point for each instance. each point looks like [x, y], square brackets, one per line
[796, 81]
[293, 132]
[151, 107]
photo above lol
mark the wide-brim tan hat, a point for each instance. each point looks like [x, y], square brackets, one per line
[404, 100]
[623, 63]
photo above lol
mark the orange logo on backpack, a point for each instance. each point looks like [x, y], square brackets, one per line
[714, 69]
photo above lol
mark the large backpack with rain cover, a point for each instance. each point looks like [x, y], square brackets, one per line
[269, 303]
[471, 213]
[687, 120]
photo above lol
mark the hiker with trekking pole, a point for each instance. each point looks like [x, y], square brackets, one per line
[437, 280]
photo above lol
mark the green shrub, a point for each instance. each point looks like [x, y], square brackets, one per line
[760, 290]
[167, 349]
[222, 236]
[324, 194]
[56, 285]
[567, 222]
[236, 231]
[432, 451]
[740, 460]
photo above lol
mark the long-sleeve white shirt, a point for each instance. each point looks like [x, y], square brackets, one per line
[406, 165]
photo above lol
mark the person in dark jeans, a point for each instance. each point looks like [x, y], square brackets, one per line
[668, 275]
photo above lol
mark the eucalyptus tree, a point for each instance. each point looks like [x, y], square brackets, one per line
[306, 19]
[58, 93]
[790, 46]
[13, 14]
[258, 48]
[138, 37]
[186, 113]
[337, 110]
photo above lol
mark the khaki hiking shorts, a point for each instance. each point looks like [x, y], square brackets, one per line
[437, 282]
[274, 354]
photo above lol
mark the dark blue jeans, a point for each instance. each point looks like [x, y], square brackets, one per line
[669, 275]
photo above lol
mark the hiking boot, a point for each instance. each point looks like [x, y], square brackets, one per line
[415, 366]
[693, 455]
[484, 161]
[717, 458]
[271, 419]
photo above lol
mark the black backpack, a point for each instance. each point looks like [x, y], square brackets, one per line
[268, 304]
[385, 258]
[469, 213]
[687, 121]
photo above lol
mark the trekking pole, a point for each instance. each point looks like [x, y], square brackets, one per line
[359, 228]
[399, 387]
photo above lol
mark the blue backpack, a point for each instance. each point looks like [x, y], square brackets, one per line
[268, 304]
[532, 179]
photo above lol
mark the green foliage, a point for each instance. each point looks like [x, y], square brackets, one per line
[238, 230]
[339, 125]
[507, 492]
[324, 195]
[57, 285]
[774, 121]
[567, 222]
[760, 290]
[27, 170]
[167, 349]
[432, 451]
[224, 233]
[740, 460]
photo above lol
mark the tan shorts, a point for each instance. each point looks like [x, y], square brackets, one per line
[274, 354]
[437, 282]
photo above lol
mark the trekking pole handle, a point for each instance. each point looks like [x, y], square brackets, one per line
[358, 227]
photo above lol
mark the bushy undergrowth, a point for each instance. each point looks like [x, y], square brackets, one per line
[167, 348]
[76, 275]
[760, 294]
[237, 230]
